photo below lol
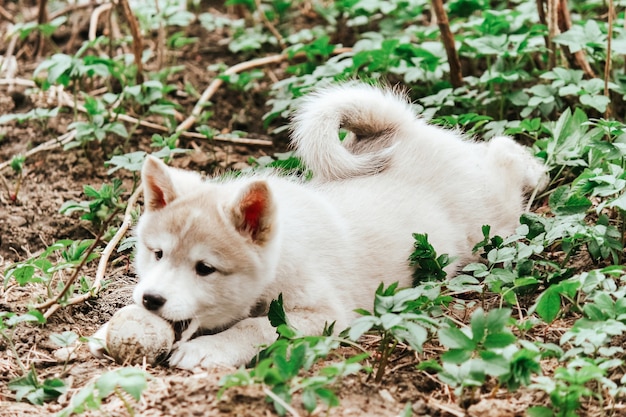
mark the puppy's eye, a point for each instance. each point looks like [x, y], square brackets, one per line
[204, 269]
[158, 254]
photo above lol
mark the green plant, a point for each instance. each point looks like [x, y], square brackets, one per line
[571, 384]
[399, 316]
[8, 323]
[23, 30]
[122, 381]
[96, 127]
[279, 367]
[17, 165]
[29, 387]
[39, 114]
[104, 204]
[486, 348]
[428, 266]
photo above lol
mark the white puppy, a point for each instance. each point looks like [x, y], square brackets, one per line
[217, 252]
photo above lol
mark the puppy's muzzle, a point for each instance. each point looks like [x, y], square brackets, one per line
[153, 302]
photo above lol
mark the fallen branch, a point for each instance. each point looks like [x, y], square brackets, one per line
[68, 284]
[42, 18]
[71, 8]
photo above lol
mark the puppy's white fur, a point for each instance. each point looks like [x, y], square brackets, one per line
[328, 243]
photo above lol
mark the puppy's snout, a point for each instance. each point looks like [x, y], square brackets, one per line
[152, 301]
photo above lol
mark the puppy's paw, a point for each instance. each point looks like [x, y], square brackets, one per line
[207, 352]
[187, 355]
[97, 342]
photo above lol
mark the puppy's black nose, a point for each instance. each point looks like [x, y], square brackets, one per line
[153, 302]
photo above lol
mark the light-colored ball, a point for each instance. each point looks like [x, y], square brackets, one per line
[134, 333]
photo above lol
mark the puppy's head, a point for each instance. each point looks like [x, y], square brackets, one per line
[204, 250]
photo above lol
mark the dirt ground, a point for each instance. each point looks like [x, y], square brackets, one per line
[32, 222]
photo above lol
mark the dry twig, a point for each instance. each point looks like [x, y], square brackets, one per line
[71, 8]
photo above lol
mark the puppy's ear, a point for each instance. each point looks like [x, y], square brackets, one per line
[253, 211]
[158, 189]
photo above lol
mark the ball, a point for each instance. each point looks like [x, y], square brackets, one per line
[134, 333]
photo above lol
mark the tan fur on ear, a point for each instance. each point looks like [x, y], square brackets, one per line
[158, 189]
[253, 211]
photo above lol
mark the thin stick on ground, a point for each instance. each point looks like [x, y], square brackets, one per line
[6, 15]
[564, 22]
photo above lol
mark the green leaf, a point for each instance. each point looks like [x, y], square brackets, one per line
[276, 313]
[499, 340]
[478, 325]
[415, 335]
[548, 305]
[22, 274]
[456, 356]
[131, 380]
[453, 338]
[33, 316]
[361, 326]
[29, 387]
[540, 411]
[64, 339]
[497, 319]
[327, 396]
[390, 320]
[309, 399]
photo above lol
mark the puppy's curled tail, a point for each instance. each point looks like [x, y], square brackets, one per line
[373, 115]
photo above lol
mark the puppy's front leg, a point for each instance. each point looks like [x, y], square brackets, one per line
[233, 347]
[239, 344]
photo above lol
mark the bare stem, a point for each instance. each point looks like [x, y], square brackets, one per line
[456, 77]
